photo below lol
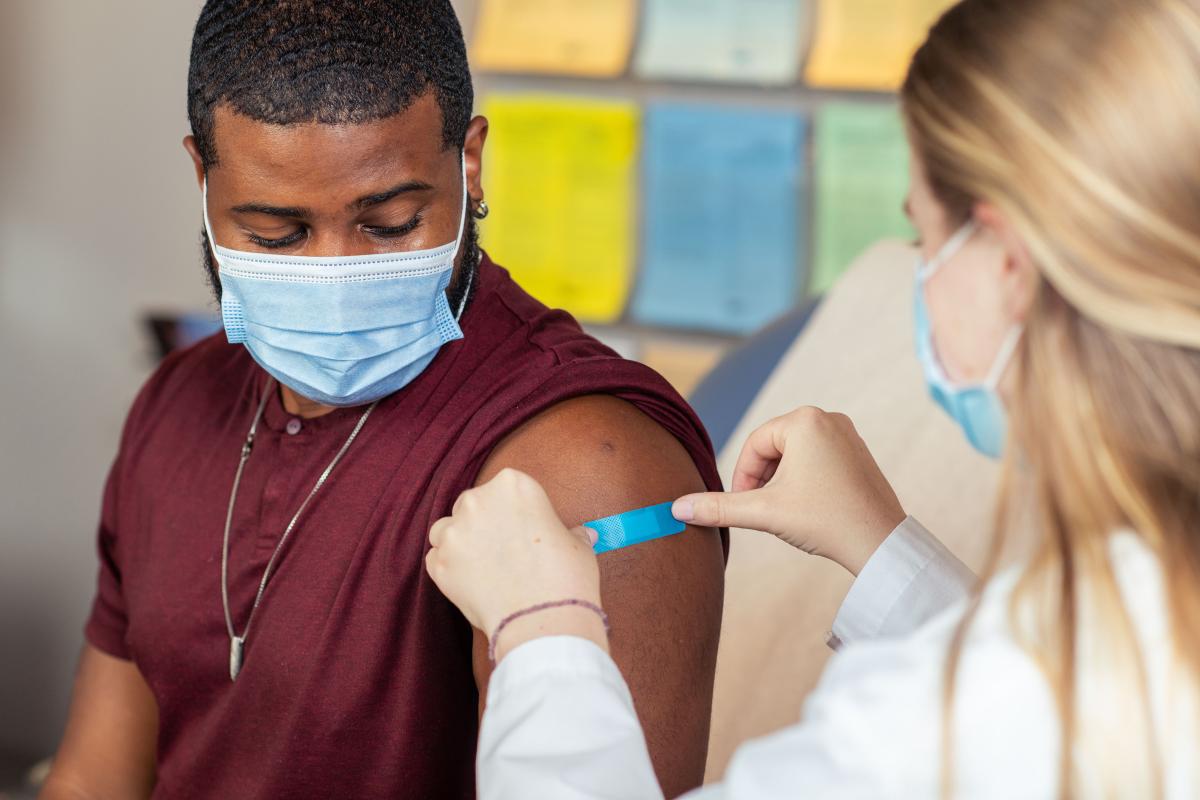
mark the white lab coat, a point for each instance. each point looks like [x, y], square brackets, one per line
[560, 723]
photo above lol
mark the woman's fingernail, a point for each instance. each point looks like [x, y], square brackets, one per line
[683, 510]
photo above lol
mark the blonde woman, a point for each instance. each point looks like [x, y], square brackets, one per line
[1056, 189]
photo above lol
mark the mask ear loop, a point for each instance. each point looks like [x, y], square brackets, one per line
[927, 269]
[949, 250]
[1007, 350]
[208, 225]
[462, 229]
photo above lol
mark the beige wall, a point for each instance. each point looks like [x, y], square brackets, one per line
[99, 219]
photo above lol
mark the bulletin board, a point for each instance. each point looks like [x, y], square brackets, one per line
[679, 173]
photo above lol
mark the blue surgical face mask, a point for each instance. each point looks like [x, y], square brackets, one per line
[976, 408]
[343, 330]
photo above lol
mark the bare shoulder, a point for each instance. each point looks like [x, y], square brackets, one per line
[598, 455]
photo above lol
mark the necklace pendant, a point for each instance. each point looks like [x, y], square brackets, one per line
[237, 646]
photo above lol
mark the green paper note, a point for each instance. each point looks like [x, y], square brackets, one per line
[861, 159]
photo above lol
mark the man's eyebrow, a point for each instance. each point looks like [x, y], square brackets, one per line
[274, 211]
[367, 201]
[388, 194]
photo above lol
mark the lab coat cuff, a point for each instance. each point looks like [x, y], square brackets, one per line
[570, 658]
[870, 607]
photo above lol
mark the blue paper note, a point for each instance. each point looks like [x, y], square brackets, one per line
[753, 41]
[723, 218]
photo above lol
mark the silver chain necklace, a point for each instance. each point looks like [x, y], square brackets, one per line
[237, 644]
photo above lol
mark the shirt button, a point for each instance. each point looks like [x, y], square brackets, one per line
[293, 426]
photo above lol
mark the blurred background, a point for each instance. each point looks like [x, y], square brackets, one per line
[680, 174]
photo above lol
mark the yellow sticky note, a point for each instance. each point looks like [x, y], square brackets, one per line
[581, 37]
[559, 179]
[867, 44]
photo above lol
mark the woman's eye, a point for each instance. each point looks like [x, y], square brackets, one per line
[395, 231]
[271, 244]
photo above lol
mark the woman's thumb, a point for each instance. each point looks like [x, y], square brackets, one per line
[724, 510]
[585, 534]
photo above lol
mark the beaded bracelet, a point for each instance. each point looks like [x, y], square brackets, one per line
[542, 607]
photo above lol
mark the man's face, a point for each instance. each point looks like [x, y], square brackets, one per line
[339, 190]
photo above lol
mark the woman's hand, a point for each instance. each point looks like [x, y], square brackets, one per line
[503, 549]
[809, 479]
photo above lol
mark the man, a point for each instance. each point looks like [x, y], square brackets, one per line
[264, 626]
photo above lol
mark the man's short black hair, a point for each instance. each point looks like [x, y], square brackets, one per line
[328, 61]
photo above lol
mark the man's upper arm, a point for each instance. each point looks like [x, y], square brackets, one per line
[598, 456]
[108, 750]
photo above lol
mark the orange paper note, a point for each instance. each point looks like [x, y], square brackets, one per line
[867, 44]
[592, 38]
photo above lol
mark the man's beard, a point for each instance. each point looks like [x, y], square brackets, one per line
[466, 280]
[210, 267]
[469, 262]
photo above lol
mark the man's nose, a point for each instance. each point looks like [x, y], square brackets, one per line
[328, 242]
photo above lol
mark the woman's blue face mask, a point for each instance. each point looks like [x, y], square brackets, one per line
[976, 408]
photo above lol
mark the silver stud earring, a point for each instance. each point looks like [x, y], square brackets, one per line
[481, 211]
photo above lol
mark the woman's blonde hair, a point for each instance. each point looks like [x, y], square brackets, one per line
[1080, 121]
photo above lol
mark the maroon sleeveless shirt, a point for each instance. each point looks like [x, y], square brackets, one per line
[357, 679]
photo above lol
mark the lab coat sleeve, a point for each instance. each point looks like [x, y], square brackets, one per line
[911, 578]
[560, 723]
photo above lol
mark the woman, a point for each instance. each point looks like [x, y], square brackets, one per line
[1056, 189]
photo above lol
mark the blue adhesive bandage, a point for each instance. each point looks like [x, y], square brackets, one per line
[635, 527]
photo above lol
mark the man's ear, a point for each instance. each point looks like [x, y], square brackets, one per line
[189, 144]
[1020, 277]
[477, 133]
